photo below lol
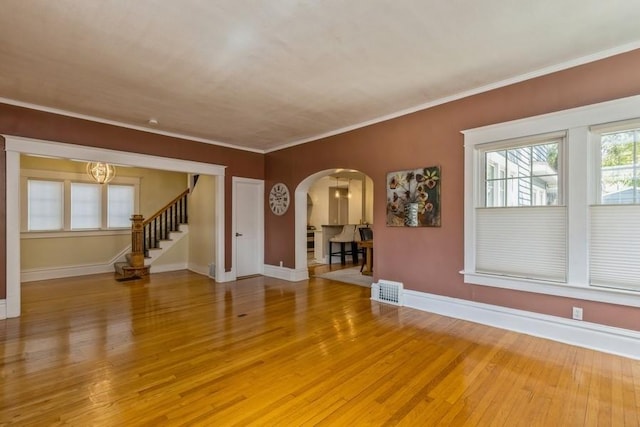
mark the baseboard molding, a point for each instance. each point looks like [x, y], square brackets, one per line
[34, 274]
[163, 268]
[200, 269]
[66, 271]
[285, 273]
[3, 309]
[622, 342]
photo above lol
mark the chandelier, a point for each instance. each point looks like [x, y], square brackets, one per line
[101, 172]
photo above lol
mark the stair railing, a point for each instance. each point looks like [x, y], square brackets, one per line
[166, 220]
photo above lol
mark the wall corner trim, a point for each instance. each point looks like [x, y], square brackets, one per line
[618, 341]
[285, 273]
[3, 309]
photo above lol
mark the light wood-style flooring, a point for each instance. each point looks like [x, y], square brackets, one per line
[179, 349]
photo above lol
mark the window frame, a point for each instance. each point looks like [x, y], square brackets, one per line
[579, 166]
[67, 178]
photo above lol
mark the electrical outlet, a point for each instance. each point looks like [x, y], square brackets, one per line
[577, 313]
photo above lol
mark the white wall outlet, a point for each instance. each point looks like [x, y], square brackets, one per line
[281, 263]
[577, 313]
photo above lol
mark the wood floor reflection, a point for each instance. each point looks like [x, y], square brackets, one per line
[179, 349]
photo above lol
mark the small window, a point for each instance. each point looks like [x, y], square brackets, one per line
[120, 205]
[45, 205]
[85, 206]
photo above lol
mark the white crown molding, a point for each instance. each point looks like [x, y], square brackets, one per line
[123, 125]
[622, 342]
[502, 83]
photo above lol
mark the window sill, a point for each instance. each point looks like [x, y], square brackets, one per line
[73, 234]
[567, 290]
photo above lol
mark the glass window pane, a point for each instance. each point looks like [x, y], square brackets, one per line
[45, 205]
[619, 168]
[120, 206]
[519, 192]
[519, 161]
[545, 160]
[85, 206]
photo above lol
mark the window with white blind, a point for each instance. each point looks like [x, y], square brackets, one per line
[520, 229]
[45, 205]
[120, 199]
[86, 209]
[552, 203]
[614, 250]
[59, 201]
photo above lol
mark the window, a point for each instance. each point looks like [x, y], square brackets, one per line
[120, 199]
[614, 250]
[85, 206]
[45, 204]
[552, 203]
[520, 189]
[60, 201]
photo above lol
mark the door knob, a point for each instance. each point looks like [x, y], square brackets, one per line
[238, 234]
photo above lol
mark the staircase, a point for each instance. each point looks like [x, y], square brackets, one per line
[149, 237]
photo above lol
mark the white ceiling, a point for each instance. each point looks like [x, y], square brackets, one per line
[266, 74]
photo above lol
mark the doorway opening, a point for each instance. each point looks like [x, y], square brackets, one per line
[327, 200]
[15, 146]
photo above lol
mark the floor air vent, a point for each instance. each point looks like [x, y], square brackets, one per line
[387, 291]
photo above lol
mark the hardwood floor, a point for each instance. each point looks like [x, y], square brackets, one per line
[178, 349]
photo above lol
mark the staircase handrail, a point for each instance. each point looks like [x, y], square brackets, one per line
[166, 207]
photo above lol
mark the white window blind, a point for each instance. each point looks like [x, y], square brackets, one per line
[525, 242]
[615, 246]
[85, 206]
[120, 205]
[45, 205]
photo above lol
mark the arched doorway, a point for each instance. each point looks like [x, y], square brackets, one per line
[301, 207]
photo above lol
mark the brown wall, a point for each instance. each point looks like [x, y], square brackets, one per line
[429, 259]
[29, 123]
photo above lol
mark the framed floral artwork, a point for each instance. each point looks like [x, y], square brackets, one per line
[413, 198]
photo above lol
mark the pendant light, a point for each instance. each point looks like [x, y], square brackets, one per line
[101, 172]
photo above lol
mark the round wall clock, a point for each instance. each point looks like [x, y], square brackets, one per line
[279, 198]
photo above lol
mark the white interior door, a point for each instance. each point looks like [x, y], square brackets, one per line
[248, 226]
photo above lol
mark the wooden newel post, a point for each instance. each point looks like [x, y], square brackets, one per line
[137, 246]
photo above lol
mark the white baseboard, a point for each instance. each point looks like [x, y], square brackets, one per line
[34, 274]
[285, 273]
[200, 269]
[622, 342]
[163, 268]
[3, 309]
[65, 271]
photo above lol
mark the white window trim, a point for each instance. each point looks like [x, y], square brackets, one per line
[67, 178]
[577, 123]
